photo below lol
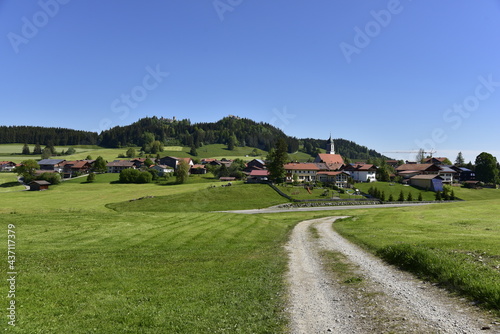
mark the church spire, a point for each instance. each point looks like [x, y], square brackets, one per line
[330, 147]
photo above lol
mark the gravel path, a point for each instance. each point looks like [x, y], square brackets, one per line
[387, 301]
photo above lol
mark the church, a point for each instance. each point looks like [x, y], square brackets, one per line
[332, 160]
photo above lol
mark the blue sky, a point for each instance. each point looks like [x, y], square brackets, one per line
[391, 75]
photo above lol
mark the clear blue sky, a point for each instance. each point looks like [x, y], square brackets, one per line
[391, 75]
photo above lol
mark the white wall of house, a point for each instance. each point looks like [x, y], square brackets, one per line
[364, 176]
[447, 177]
[302, 175]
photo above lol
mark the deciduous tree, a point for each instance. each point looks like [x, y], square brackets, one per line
[486, 168]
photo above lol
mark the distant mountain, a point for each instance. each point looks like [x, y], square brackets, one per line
[231, 131]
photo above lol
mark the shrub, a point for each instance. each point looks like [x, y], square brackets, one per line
[401, 197]
[91, 177]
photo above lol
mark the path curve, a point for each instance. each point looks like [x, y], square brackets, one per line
[390, 301]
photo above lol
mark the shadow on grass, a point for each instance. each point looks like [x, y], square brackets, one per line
[10, 184]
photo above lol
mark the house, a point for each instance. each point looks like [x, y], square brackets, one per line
[52, 164]
[39, 185]
[306, 172]
[138, 162]
[118, 165]
[430, 182]
[198, 169]
[258, 176]
[174, 161]
[464, 174]
[7, 166]
[436, 161]
[447, 173]
[72, 168]
[362, 172]
[163, 169]
[392, 163]
[337, 178]
[409, 170]
[255, 164]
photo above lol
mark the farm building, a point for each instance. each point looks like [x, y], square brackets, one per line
[7, 166]
[430, 182]
[39, 185]
[337, 178]
[257, 176]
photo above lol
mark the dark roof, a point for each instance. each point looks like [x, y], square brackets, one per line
[50, 161]
[41, 183]
[426, 177]
[120, 163]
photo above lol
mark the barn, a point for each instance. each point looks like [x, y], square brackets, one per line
[39, 185]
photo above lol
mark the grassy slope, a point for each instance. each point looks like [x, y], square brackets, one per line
[236, 197]
[8, 183]
[299, 192]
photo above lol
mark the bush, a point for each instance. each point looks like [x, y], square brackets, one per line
[131, 175]
[91, 177]
[52, 178]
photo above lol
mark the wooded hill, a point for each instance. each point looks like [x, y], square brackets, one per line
[230, 131]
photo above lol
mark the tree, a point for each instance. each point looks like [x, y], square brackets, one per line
[148, 162]
[182, 172]
[26, 150]
[131, 153]
[420, 198]
[91, 177]
[438, 196]
[401, 197]
[70, 151]
[420, 156]
[459, 161]
[391, 198]
[46, 153]
[27, 170]
[37, 149]
[486, 168]
[89, 157]
[52, 178]
[277, 160]
[231, 143]
[99, 165]
[382, 196]
[193, 151]
[410, 197]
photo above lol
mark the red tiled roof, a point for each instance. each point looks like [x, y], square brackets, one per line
[198, 166]
[414, 167]
[331, 158]
[301, 166]
[257, 172]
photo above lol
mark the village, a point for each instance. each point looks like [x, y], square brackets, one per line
[328, 168]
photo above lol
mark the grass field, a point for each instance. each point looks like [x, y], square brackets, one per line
[454, 244]
[8, 183]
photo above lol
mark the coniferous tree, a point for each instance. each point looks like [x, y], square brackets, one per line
[420, 198]
[277, 160]
[391, 198]
[401, 197]
[438, 196]
[37, 149]
[26, 150]
[459, 161]
[410, 197]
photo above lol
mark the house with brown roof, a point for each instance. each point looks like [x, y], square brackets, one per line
[52, 164]
[258, 176]
[39, 185]
[198, 169]
[409, 170]
[73, 168]
[118, 165]
[306, 172]
[362, 172]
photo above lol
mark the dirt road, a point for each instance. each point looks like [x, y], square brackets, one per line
[386, 301]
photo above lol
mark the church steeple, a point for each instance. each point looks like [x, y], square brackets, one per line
[330, 148]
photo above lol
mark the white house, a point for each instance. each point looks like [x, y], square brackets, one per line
[362, 172]
[306, 172]
[163, 169]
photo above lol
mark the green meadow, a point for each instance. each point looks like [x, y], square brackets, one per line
[94, 258]
[395, 189]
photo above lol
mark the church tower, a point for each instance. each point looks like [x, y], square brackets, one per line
[330, 148]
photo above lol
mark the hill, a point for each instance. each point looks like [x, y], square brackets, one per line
[232, 131]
